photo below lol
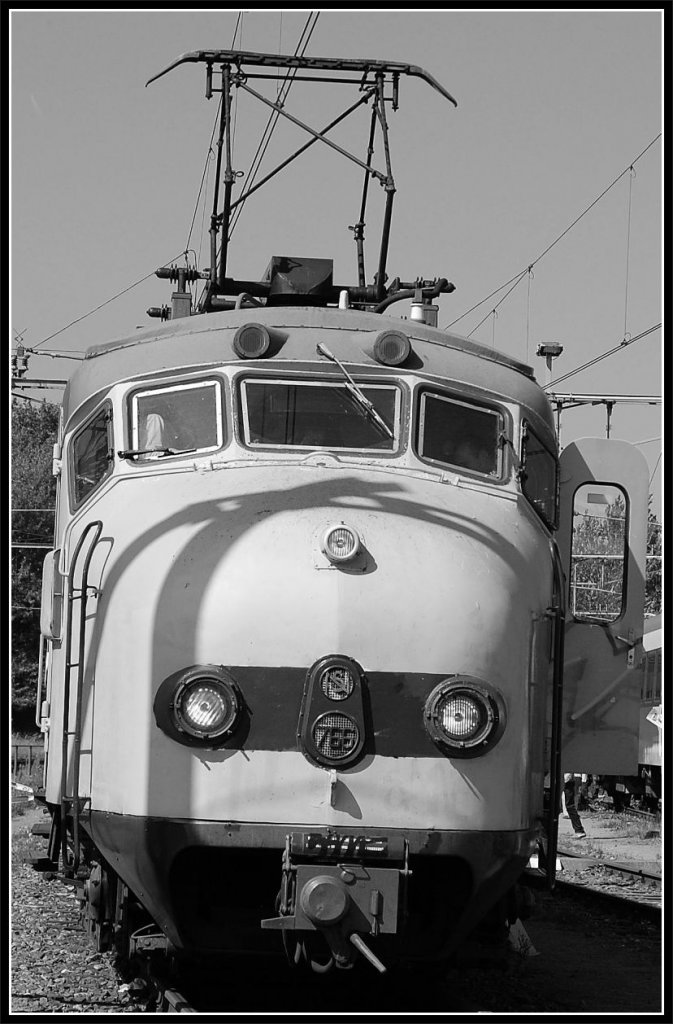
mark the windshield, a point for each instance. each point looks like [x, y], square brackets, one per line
[181, 418]
[309, 414]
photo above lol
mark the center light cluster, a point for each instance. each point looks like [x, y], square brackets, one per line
[333, 735]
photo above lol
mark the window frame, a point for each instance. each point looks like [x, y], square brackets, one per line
[526, 430]
[131, 402]
[242, 420]
[106, 409]
[588, 617]
[503, 421]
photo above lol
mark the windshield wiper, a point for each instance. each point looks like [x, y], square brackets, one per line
[130, 453]
[362, 400]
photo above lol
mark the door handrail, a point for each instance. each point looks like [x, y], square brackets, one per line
[75, 594]
[557, 613]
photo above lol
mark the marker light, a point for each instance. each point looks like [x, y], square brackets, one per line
[206, 706]
[464, 717]
[335, 735]
[337, 682]
[251, 341]
[391, 348]
[340, 543]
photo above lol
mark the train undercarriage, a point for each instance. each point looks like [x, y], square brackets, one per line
[320, 901]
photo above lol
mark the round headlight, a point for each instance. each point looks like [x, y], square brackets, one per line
[464, 717]
[335, 735]
[206, 707]
[391, 348]
[252, 341]
[340, 543]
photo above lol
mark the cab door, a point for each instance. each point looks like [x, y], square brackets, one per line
[602, 540]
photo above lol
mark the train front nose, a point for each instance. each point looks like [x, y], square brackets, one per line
[298, 586]
[376, 585]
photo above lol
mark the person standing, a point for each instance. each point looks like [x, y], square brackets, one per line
[569, 806]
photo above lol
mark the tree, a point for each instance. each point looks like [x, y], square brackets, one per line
[653, 573]
[598, 561]
[34, 431]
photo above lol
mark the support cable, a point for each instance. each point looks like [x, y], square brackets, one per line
[206, 168]
[622, 345]
[558, 239]
[531, 275]
[518, 280]
[100, 306]
[273, 117]
[628, 247]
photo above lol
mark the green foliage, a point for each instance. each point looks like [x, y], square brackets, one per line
[653, 574]
[598, 576]
[598, 562]
[34, 431]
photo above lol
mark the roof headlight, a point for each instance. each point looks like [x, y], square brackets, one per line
[251, 341]
[464, 716]
[391, 348]
[340, 543]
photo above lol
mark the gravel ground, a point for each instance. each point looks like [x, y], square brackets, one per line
[54, 967]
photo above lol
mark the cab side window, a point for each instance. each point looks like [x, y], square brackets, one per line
[92, 454]
[539, 477]
[459, 434]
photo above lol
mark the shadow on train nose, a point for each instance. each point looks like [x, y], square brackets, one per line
[220, 523]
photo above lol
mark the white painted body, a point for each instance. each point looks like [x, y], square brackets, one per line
[221, 564]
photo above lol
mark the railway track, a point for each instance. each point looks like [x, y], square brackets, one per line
[632, 884]
[647, 816]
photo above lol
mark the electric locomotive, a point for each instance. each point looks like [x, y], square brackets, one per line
[303, 624]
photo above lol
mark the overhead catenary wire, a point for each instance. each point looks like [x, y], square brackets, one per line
[131, 286]
[209, 154]
[263, 144]
[617, 348]
[518, 276]
[209, 157]
[101, 305]
[518, 281]
[628, 247]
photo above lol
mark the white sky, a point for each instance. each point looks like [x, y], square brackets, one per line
[553, 105]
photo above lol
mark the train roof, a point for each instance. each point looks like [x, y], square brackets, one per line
[189, 342]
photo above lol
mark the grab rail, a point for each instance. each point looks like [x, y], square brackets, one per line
[557, 613]
[75, 594]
